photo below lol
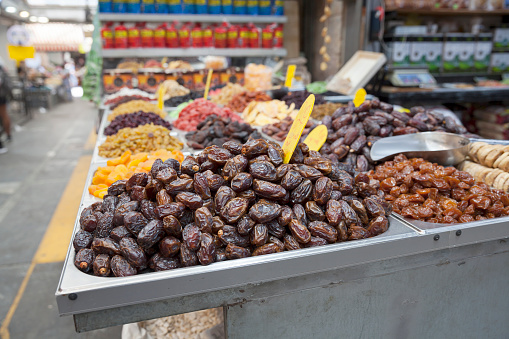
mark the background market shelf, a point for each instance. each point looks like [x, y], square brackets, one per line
[192, 52]
[192, 18]
[446, 11]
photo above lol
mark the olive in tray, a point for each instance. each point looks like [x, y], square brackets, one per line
[228, 202]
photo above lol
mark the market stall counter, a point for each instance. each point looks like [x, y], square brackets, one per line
[416, 279]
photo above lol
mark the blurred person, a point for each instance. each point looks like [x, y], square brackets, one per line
[5, 93]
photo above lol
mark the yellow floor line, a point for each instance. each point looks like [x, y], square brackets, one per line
[54, 244]
[92, 138]
[4, 330]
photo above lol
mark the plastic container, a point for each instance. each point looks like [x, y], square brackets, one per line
[257, 77]
[197, 36]
[265, 7]
[252, 7]
[200, 6]
[119, 6]
[160, 36]
[239, 7]
[188, 7]
[172, 40]
[232, 36]
[147, 36]
[121, 36]
[227, 6]
[254, 36]
[175, 6]
[162, 6]
[107, 36]
[214, 7]
[133, 6]
[244, 37]
[133, 37]
[278, 36]
[104, 6]
[268, 36]
[220, 35]
[208, 36]
[148, 6]
[279, 7]
[184, 36]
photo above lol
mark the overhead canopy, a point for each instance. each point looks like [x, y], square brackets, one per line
[55, 37]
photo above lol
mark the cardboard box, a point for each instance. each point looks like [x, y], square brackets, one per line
[499, 62]
[426, 51]
[149, 80]
[501, 38]
[115, 79]
[399, 50]
[482, 55]
[459, 50]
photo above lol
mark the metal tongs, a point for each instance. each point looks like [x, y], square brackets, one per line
[443, 148]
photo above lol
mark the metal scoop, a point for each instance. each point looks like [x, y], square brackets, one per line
[442, 148]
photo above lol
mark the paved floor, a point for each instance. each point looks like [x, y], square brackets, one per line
[38, 203]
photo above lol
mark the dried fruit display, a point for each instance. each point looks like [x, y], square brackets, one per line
[226, 94]
[144, 138]
[175, 101]
[215, 130]
[126, 92]
[134, 120]
[420, 190]
[124, 167]
[322, 110]
[298, 97]
[134, 107]
[195, 112]
[239, 102]
[268, 112]
[279, 130]
[228, 202]
[494, 156]
[352, 130]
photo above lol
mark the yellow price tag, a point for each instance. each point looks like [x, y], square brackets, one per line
[298, 125]
[316, 138]
[207, 86]
[290, 72]
[360, 96]
[19, 53]
[160, 97]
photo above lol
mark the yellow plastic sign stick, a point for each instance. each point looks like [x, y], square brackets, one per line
[290, 72]
[207, 86]
[316, 138]
[298, 125]
[360, 96]
[160, 97]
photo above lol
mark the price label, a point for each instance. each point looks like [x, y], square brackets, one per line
[207, 85]
[298, 125]
[160, 97]
[316, 138]
[290, 72]
[360, 96]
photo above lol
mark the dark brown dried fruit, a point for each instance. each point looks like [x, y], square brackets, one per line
[314, 212]
[263, 170]
[134, 222]
[291, 180]
[180, 185]
[105, 246]
[189, 166]
[84, 259]
[236, 252]
[234, 210]
[299, 231]
[117, 188]
[172, 226]
[223, 195]
[259, 235]
[169, 246]
[137, 179]
[275, 229]
[242, 182]
[119, 232]
[230, 235]
[300, 213]
[109, 204]
[291, 243]
[266, 249]
[192, 237]
[207, 252]
[333, 212]
[359, 208]
[378, 226]
[245, 225]
[203, 219]
[121, 267]
[234, 166]
[82, 239]
[190, 200]
[133, 253]
[217, 224]
[322, 190]
[268, 190]
[151, 234]
[324, 231]
[264, 211]
[89, 223]
[302, 193]
[163, 197]
[187, 257]
[254, 147]
[102, 265]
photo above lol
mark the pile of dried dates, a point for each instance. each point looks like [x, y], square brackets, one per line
[228, 202]
[216, 130]
[353, 130]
